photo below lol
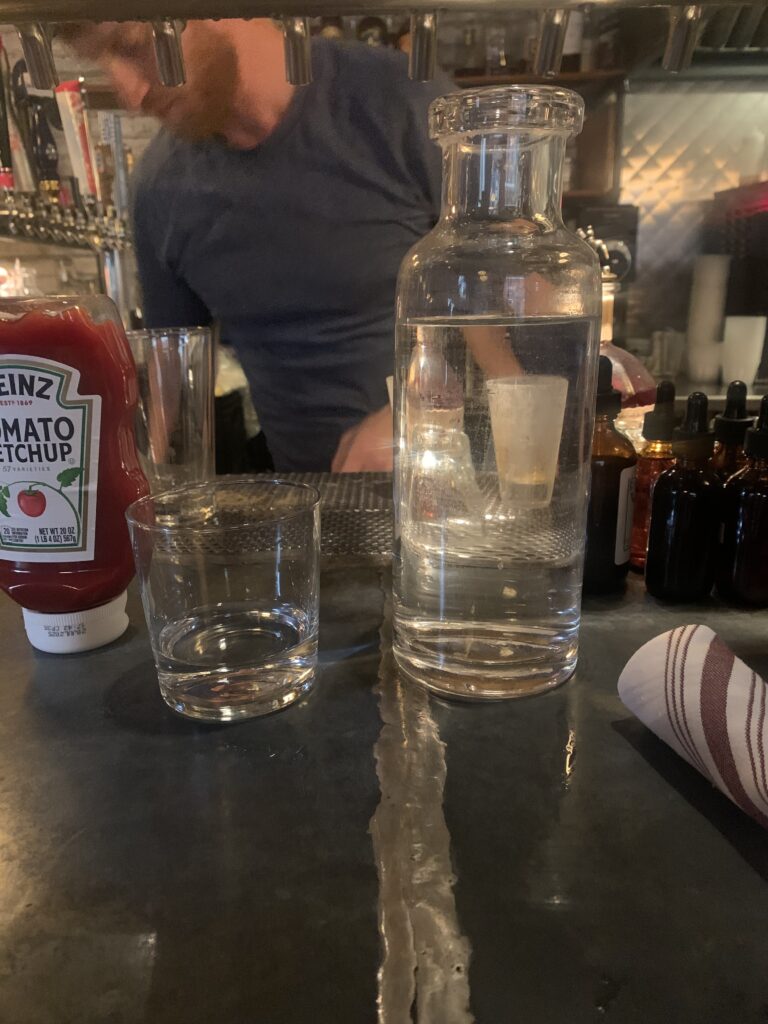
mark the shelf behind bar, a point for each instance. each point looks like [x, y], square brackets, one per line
[573, 79]
[99, 96]
[15, 11]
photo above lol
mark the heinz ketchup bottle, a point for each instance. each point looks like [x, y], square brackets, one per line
[68, 468]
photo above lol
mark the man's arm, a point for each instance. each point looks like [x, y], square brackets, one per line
[168, 301]
[366, 447]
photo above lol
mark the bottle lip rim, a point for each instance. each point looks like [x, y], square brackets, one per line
[495, 108]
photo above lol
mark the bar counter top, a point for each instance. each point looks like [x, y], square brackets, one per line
[370, 854]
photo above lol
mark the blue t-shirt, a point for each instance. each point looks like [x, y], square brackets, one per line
[294, 246]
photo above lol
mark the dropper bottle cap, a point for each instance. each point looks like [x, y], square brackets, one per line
[756, 441]
[693, 438]
[659, 423]
[731, 425]
[608, 398]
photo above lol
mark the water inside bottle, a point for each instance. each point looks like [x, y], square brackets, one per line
[494, 425]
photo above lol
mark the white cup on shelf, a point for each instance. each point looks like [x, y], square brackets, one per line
[743, 347]
[707, 301]
[704, 362]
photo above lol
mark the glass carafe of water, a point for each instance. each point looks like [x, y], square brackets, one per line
[497, 347]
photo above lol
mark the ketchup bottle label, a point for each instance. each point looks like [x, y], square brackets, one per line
[49, 462]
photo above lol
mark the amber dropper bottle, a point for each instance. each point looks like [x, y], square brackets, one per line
[742, 576]
[730, 429]
[653, 458]
[611, 502]
[685, 514]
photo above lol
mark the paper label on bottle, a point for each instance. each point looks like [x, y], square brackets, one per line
[49, 462]
[625, 515]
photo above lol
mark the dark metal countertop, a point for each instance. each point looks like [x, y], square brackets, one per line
[541, 861]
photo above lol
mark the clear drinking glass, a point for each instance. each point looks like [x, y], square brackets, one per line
[228, 572]
[175, 368]
[497, 344]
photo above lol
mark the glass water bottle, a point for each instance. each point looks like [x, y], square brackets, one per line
[497, 344]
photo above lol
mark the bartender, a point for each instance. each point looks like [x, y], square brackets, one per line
[283, 214]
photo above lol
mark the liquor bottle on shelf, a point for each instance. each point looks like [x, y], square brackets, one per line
[77, 136]
[589, 34]
[496, 59]
[6, 155]
[18, 125]
[572, 42]
[608, 40]
[44, 151]
[471, 61]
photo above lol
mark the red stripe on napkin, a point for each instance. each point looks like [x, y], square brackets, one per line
[715, 677]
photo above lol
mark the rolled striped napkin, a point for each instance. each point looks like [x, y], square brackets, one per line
[697, 696]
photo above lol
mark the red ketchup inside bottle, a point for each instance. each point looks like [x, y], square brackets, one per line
[68, 468]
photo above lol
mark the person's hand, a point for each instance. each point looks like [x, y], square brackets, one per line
[366, 447]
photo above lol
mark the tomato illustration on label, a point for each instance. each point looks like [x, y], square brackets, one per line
[49, 461]
[31, 502]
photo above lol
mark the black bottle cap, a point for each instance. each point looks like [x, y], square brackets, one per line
[756, 441]
[608, 398]
[731, 425]
[693, 437]
[660, 422]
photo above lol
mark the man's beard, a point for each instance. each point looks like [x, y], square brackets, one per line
[204, 107]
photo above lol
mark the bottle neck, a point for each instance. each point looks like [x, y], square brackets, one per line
[693, 461]
[659, 449]
[609, 440]
[606, 422]
[512, 177]
[694, 452]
